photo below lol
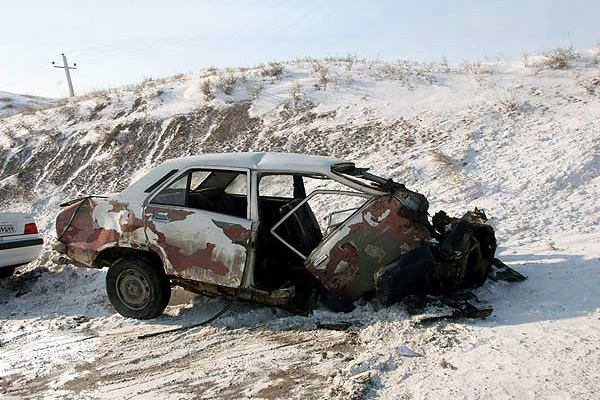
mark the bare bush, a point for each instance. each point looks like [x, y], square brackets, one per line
[226, 83]
[207, 90]
[510, 103]
[322, 74]
[560, 58]
[350, 60]
[272, 70]
[393, 72]
[477, 68]
[297, 92]
[298, 102]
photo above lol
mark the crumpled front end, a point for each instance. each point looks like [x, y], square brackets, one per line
[389, 249]
[460, 256]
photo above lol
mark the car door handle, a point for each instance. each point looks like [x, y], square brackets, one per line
[163, 217]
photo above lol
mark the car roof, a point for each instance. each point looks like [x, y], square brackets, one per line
[262, 161]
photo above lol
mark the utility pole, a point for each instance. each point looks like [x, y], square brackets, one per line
[67, 68]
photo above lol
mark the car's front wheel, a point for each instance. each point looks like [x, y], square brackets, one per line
[137, 289]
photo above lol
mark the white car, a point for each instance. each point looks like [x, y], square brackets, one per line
[20, 242]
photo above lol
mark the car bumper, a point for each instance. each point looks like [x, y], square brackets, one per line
[18, 252]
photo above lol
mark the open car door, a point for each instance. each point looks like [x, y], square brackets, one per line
[374, 235]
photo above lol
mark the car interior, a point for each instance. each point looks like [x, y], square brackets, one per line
[276, 264]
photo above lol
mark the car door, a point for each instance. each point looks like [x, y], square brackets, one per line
[198, 223]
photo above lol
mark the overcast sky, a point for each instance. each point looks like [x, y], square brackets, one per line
[120, 42]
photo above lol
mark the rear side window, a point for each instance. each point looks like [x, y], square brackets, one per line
[218, 191]
[174, 194]
[160, 181]
[276, 186]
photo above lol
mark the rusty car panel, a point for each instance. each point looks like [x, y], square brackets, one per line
[92, 225]
[372, 237]
[197, 245]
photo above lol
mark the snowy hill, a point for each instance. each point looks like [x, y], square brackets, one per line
[11, 103]
[520, 139]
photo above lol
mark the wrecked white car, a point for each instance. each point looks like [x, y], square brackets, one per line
[20, 241]
[243, 226]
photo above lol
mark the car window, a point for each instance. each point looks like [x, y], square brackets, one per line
[220, 191]
[197, 178]
[276, 186]
[174, 194]
[238, 185]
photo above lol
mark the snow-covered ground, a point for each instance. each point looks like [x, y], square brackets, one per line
[11, 103]
[521, 142]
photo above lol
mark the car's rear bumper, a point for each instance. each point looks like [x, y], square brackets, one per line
[18, 252]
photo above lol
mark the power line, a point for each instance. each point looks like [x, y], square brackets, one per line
[67, 68]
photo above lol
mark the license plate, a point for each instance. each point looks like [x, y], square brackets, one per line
[7, 229]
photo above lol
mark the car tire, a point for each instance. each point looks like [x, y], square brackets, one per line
[137, 289]
[476, 267]
[6, 272]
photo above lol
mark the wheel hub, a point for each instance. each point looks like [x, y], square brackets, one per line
[133, 289]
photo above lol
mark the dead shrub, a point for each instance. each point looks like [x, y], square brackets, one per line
[226, 83]
[350, 60]
[560, 58]
[510, 104]
[207, 90]
[477, 68]
[392, 72]
[322, 75]
[297, 92]
[272, 70]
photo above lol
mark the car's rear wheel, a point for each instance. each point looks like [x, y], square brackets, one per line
[137, 289]
[6, 272]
